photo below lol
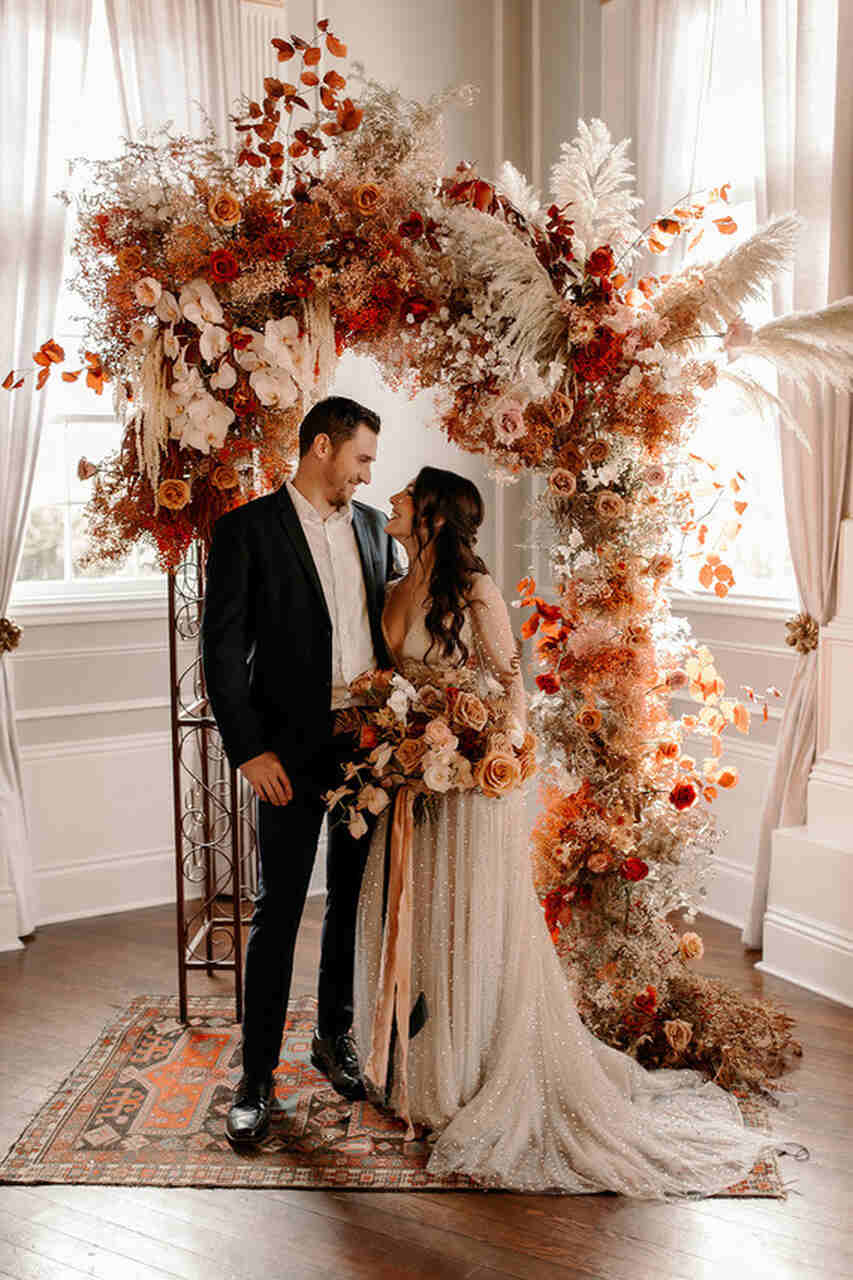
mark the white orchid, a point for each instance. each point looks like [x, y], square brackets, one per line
[200, 304]
[141, 333]
[147, 291]
[252, 356]
[374, 799]
[213, 342]
[224, 377]
[274, 387]
[208, 420]
[167, 308]
[356, 823]
[171, 346]
[284, 349]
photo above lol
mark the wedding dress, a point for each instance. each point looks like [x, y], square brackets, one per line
[517, 1092]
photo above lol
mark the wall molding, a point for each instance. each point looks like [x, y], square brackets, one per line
[729, 889]
[66, 612]
[96, 746]
[98, 651]
[733, 606]
[105, 885]
[92, 709]
[809, 953]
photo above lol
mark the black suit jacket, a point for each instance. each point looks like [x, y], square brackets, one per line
[266, 634]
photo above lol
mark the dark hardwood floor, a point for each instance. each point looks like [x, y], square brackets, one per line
[57, 994]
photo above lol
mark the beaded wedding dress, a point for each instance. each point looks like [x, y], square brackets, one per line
[516, 1091]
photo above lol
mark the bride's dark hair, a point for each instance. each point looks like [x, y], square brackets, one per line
[443, 495]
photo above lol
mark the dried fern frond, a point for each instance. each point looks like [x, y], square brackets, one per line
[521, 195]
[594, 178]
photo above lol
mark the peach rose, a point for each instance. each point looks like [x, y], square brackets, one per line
[410, 753]
[562, 482]
[599, 862]
[589, 718]
[438, 735]
[224, 477]
[691, 946]
[438, 775]
[470, 712]
[367, 199]
[660, 566]
[598, 452]
[173, 494]
[497, 773]
[609, 505]
[572, 457]
[509, 421]
[224, 208]
[655, 475]
[678, 1033]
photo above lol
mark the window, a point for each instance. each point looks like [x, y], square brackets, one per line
[730, 142]
[78, 423]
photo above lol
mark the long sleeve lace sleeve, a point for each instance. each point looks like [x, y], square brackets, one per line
[496, 644]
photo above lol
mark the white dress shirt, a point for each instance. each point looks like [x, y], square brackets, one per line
[335, 552]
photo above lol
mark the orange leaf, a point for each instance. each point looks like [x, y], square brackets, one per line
[71, 377]
[297, 149]
[716, 745]
[273, 88]
[333, 80]
[706, 577]
[285, 50]
[255, 110]
[618, 281]
[724, 192]
[41, 358]
[713, 559]
[740, 507]
[17, 384]
[721, 589]
[309, 78]
[349, 116]
[331, 128]
[656, 246]
[530, 626]
[311, 56]
[669, 226]
[9, 379]
[254, 160]
[335, 47]
[95, 380]
[328, 99]
[698, 236]
[726, 226]
[53, 351]
[323, 24]
[44, 374]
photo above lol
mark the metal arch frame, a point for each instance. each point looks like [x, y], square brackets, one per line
[215, 837]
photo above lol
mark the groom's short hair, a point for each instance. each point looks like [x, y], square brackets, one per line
[337, 417]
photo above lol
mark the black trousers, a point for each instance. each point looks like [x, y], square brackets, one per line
[287, 846]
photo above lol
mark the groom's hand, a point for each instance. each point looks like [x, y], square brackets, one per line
[267, 778]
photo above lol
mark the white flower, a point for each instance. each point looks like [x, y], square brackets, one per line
[200, 304]
[284, 349]
[251, 357]
[224, 377]
[373, 798]
[403, 693]
[213, 343]
[208, 421]
[171, 346]
[738, 337]
[331, 798]
[516, 733]
[141, 333]
[274, 388]
[631, 380]
[437, 774]
[187, 382]
[147, 291]
[463, 774]
[380, 756]
[167, 308]
[357, 825]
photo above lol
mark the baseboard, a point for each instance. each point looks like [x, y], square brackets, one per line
[104, 885]
[808, 953]
[729, 892]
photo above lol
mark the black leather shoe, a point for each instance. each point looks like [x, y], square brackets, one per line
[249, 1117]
[335, 1056]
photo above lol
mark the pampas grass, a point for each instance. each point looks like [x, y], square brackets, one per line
[521, 195]
[594, 178]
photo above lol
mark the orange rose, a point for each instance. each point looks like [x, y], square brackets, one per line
[660, 566]
[173, 494]
[727, 777]
[597, 452]
[470, 712]
[410, 753]
[367, 199]
[224, 477]
[224, 208]
[609, 505]
[497, 773]
[599, 862]
[130, 257]
[589, 718]
[691, 946]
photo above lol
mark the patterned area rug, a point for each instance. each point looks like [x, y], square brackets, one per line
[146, 1106]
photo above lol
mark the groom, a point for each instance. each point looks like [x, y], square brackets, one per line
[292, 613]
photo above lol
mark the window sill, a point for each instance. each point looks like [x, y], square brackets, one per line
[54, 608]
[740, 606]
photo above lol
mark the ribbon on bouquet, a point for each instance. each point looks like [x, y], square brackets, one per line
[394, 986]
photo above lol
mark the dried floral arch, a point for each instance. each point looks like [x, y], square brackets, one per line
[225, 286]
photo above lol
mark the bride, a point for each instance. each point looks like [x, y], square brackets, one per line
[514, 1089]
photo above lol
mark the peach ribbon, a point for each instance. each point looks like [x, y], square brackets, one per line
[394, 987]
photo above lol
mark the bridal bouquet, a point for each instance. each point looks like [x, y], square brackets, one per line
[433, 738]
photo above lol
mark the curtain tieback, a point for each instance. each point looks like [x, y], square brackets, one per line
[10, 635]
[803, 632]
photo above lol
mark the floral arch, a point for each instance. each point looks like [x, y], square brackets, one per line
[225, 285]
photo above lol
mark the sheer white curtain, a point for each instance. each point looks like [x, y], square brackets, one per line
[806, 167]
[42, 65]
[172, 54]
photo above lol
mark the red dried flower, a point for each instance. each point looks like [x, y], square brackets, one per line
[600, 261]
[634, 869]
[223, 266]
[277, 244]
[413, 227]
[594, 361]
[682, 795]
[548, 683]
[646, 1001]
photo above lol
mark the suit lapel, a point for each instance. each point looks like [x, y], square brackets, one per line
[365, 551]
[293, 528]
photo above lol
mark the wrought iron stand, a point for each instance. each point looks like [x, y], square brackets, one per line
[215, 838]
